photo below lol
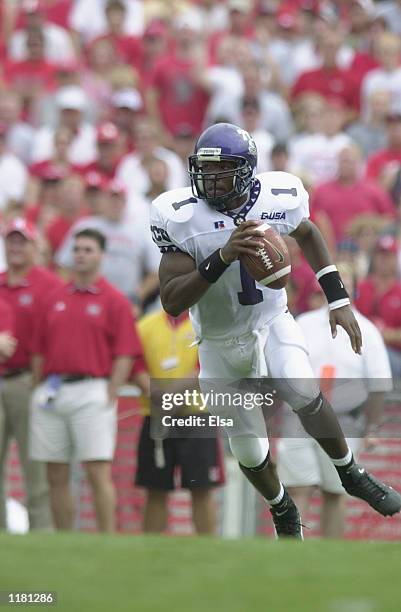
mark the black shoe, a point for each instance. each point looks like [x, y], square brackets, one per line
[286, 519]
[359, 483]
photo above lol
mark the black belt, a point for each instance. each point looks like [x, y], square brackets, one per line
[69, 378]
[12, 373]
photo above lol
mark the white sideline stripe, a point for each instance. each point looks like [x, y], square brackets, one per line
[275, 276]
[326, 270]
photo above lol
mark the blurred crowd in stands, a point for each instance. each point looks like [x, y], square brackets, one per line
[101, 102]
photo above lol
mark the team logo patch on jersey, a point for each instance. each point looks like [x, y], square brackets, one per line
[25, 299]
[273, 215]
[59, 306]
[93, 309]
[219, 225]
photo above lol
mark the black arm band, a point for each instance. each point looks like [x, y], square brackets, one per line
[333, 287]
[212, 267]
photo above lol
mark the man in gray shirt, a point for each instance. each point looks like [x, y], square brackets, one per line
[131, 259]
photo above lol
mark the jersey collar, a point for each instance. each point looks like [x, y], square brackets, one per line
[95, 288]
[24, 282]
[240, 216]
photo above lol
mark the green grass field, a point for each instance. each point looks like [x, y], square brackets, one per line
[118, 573]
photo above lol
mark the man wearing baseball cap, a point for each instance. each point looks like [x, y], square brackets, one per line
[24, 286]
[130, 260]
[71, 105]
[108, 152]
[379, 298]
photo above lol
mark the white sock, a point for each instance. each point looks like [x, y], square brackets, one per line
[277, 500]
[344, 461]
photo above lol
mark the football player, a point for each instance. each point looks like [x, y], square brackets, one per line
[244, 330]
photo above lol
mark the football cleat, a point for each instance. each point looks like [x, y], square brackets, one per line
[286, 519]
[359, 483]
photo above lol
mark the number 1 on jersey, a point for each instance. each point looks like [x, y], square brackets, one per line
[250, 295]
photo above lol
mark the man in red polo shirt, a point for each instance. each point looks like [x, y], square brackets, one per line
[24, 286]
[349, 195]
[178, 95]
[379, 298]
[379, 163]
[329, 81]
[109, 151]
[8, 342]
[84, 346]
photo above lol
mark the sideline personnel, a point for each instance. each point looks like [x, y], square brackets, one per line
[84, 347]
[24, 286]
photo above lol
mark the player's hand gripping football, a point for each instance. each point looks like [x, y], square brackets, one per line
[345, 317]
[242, 240]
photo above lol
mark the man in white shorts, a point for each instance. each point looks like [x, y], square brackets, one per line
[84, 345]
[244, 330]
[356, 386]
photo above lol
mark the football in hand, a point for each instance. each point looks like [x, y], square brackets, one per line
[270, 265]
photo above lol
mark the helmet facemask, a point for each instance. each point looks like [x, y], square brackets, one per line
[242, 175]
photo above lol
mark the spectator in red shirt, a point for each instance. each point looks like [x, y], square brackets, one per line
[127, 48]
[177, 95]
[70, 208]
[330, 81]
[350, 195]
[34, 75]
[96, 189]
[24, 286]
[56, 11]
[55, 167]
[8, 344]
[379, 164]
[155, 43]
[84, 347]
[109, 152]
[379, 298]
[240, 26]
[47, 197]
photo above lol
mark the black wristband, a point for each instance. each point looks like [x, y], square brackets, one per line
[212, 267]
[333, 287]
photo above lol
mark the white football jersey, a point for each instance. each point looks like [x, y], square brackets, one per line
[235, 304]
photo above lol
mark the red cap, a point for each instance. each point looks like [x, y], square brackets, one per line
[107, 132]
[156, 28]
[94, 180]
[387, 243]
[117, 187]
[287, 17]
[23, 227]
[33, 6]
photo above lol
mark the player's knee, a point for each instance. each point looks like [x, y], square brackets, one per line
[249, 451]
[312, 408]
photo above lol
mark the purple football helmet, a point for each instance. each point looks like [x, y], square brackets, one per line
[223, 142]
